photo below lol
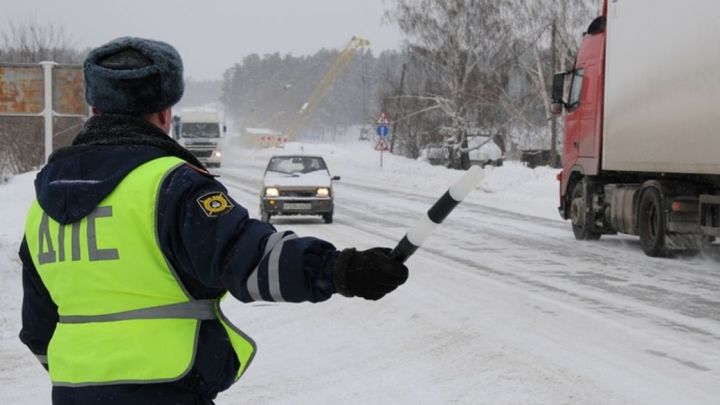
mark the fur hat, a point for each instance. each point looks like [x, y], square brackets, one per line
[133, 76]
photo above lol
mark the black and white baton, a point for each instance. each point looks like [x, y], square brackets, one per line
[416, 236]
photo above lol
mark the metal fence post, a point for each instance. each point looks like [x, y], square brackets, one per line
[48, 111]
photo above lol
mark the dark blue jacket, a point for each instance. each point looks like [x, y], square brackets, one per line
[212, 255]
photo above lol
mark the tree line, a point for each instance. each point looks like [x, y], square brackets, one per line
[469, 69]
[271, 90]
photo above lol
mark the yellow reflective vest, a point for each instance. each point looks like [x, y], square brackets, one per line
[124, 315]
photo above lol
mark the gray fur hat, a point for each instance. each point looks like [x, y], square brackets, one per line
[133, 76]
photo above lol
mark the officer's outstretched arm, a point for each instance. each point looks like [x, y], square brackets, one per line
[210, 239]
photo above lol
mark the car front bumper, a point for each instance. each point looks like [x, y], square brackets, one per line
[206, 156]
[296, 206]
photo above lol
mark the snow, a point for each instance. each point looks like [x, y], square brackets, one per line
[488, 151]
[502, 306]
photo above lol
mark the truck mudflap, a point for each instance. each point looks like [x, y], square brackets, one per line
[710, 214]
[684, 241]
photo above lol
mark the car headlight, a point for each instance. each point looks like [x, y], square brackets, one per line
[323, 192]
[272, 192]
[217, 153]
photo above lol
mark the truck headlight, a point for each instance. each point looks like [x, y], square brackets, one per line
[323, 192]
[217, 153]
[272, 192]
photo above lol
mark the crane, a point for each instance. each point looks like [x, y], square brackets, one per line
[322, 89]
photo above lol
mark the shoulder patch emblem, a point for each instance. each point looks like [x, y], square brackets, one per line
[215, 204]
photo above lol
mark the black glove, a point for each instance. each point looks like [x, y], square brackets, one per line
[369, 274]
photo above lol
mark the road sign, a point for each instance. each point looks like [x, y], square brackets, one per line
[382, 119]
[382, 146]
[383, 131]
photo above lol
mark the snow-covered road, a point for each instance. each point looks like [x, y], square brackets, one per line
[502, 306]
[571, 322]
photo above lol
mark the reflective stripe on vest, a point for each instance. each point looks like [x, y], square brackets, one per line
[199, 309]
[125, 317]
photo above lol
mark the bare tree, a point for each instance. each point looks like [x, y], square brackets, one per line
[547, 31]
[490, 64]
[27, 41]
[414, 119]
[458, 42]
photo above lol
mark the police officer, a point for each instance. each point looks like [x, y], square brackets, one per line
[131, 244]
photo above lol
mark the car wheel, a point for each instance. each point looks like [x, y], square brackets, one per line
[328, 217]
[265, 216]
[578, 217]
[651, 218]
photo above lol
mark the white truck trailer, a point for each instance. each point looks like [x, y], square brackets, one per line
[642, 125]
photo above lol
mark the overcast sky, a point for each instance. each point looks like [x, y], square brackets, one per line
[211, 35]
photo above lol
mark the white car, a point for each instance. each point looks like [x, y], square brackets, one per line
[297, 185]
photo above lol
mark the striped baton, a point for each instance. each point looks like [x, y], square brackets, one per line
[416, 236]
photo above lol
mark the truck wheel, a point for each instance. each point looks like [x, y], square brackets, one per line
[577, 216]
[328, 217]
[651, 218]
[264, 216]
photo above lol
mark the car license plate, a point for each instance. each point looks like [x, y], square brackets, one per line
[297, 206]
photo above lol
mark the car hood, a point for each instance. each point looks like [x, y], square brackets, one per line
[314, 179]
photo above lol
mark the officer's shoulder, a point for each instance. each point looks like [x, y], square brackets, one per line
[190, 176]
[191, 168]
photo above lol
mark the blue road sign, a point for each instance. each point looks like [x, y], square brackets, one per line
[382, 131]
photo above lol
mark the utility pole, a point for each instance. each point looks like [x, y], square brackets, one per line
[553, 118]
[399, 93]
[563, 35]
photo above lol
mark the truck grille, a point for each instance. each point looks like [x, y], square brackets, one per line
[202, 153]
[297, 193]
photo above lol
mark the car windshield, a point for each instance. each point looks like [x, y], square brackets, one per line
[200, 130]
[296, 164]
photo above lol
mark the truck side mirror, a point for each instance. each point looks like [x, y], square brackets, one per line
[556, 108]
[558, 90]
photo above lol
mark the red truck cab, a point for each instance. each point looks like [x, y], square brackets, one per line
[584, 113]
